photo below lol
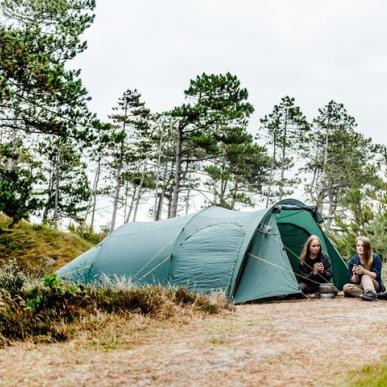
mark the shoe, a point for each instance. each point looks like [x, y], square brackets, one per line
[382, 295]
[369, 295]
[314, 295]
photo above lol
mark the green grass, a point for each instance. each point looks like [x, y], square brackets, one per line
[368, 376]
[32, 246]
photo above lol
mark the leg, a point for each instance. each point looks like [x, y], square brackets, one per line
[308, 290]
[369, 283]
[305, 288]
[370, 286]
[352, 290]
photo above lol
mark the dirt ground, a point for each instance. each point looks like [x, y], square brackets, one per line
[302, 342]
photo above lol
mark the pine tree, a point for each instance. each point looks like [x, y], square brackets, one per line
[213, 101]
[287, 133]
[239, 168]
[128, 145]
[67, 188]
[17, 196]
[38, 94]
[340, 159]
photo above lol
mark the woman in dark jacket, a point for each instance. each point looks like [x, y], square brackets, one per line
[315, 266]
[364, 272]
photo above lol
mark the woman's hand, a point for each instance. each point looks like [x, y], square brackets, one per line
[318, 268]
[358, 270]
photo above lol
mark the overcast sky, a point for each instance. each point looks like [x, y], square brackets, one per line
[314, 51]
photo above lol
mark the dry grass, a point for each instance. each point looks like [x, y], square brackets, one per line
[55, 310]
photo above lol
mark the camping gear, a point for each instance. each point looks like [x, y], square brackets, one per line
[328, 290]
[248, 255]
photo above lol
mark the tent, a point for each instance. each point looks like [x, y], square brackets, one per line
[249, 255]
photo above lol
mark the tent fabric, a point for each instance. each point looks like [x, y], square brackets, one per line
[248, 255]
[267, 271]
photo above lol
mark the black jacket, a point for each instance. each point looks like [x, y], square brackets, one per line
[306, 270]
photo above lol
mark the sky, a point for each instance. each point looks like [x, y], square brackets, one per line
[313, 51]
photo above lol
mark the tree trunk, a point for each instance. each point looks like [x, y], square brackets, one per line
[160, 204]
[139, 196]
[126, 198]
[330, 209]
[271, 174]
[281, 190]
[158, 174]
[56, 200]
[159, 208]
[170, 200]
[176, 186]
[234, 195]
[187, 201]
[139, 192]
[116, 195]
[94, 195]
[325, 163]
[314, 183]
[215, 192]
[118, 174]
[131, 206]
[223, 191]
[49, 193]
[333, 203]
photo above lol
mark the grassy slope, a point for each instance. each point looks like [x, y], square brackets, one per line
[31, 244]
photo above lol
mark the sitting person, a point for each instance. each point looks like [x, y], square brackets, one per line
[364, 272]
[315, 266]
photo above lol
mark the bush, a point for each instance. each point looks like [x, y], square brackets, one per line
[49, 310]
[12, 279]
[87, 233]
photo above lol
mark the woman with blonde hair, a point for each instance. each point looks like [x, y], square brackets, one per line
[364, 272]
[315, 266]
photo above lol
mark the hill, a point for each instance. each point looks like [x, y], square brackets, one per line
[35, 246]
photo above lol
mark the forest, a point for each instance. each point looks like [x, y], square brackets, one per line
[60, 162]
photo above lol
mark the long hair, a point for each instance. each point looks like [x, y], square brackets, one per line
[306, 250]
[367, 251]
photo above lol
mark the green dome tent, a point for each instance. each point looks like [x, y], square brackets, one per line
[249, 255]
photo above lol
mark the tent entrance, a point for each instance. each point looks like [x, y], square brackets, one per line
[293, 238]
[295, 227]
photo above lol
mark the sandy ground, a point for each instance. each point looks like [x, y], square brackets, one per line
[304, 342]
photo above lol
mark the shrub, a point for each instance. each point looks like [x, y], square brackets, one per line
[49, 310]
[87, 233]
[12, 278]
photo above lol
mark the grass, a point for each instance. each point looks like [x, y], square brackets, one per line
[41, 247]
[368, 376]
[55, 310]
[52, 310]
